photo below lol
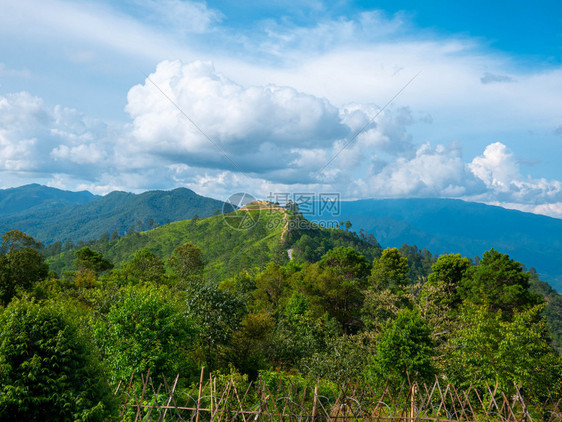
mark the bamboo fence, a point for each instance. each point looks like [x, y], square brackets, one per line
[217, 399]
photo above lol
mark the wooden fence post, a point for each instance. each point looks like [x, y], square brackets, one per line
[413, 402]
[200, 392]
[315, 403]
[211, 388]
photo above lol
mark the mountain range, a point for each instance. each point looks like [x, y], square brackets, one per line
[456, 226]
[51, 215]
[440, 225]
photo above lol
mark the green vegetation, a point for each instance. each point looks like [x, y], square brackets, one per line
[145, 328]
[202, 292]
[20, 264]
[468, 228]
[49, 370]
[226, 250]
[58, 216]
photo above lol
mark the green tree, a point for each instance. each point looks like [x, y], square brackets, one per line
[501, 283]
[405, 350]
[419, 262]
[241, 285]
[382, 306]
[299, 335]
[48, 368]
[343, 358]
[21, 265]
[347, 262]
[88, 259]
[335, 285]
[388, 292]
[216, 314]
[449, 273]
[16, 240]
[272, 285]
[390, 271]
[248, 350]
[489, 349]
[145, 266]
[144, 330]
[187, 263]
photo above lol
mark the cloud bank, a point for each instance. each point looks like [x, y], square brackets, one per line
[191, 125]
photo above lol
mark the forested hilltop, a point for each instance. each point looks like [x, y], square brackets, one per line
[261, 291]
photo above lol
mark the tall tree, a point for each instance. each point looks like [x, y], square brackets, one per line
[500, 283]
[405, 350]
[145, 266]
[146, 329]
[88, 259]
[335, 285]
[216, 314]
[449, 273]
[390, 271]
[21, 265]
[490, 349]
[187, 263]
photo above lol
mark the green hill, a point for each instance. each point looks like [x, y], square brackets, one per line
[440, 225]
[114, 212]
[34, 198]
[230, 244]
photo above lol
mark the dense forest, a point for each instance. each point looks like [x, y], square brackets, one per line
[282, 296]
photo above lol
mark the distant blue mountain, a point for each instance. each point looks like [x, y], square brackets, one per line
[51, 215]
[30, 198]
[455, 226]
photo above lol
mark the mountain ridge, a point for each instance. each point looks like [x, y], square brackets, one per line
[34, 196]
[228, 245]
[115, 212]
[439, 225]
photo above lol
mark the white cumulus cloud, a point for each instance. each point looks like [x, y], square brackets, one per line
[499, 170]
[38, 139]
[187, 112]
[432, 171]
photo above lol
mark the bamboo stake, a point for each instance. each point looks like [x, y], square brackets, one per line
[315, 400]
[412, 401]
[200, 391]
[239, 401]
[171, 394]
[358, 403]
[211, 388]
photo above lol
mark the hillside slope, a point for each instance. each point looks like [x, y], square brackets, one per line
[268, 235]
[227, 249]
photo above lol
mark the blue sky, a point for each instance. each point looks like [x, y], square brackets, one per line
[106, 95]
